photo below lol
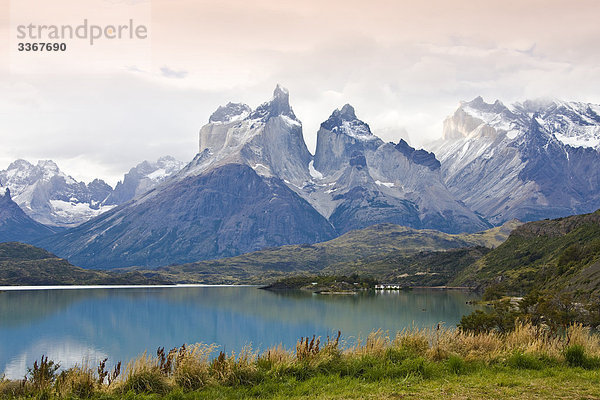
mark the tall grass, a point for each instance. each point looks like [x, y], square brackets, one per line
[413, 352]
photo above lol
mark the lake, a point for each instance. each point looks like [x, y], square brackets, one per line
[86, 325]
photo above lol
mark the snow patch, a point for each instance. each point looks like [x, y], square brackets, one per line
[579, 141]
[387, 184]
[158, 174]
[313, 172]
[513, 133]
[290, 121]
[76, 211]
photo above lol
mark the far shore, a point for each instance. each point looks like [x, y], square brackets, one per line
[75, 287]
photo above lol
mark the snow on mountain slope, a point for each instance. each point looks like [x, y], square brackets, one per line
[365, 181]
[51, 197]
[142, 178]
[572, 123]
[531, 160]
[268, 139]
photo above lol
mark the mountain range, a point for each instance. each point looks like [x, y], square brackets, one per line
[530, 161]
[254, 185]
[51, 197]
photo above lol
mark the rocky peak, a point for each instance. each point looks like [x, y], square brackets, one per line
[48, 165]
[278, 105]
[344, 121]
[478, 104]
[230, 112]
[20, 164]
[347, 112]
[420, 157]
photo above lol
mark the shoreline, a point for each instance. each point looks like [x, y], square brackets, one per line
[84, 287]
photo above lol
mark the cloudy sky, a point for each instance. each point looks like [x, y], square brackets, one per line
[98, 110]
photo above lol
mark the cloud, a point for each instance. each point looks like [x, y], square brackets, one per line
[403, 65]
[171, 73]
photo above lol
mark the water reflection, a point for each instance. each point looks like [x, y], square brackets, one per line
[71, 325]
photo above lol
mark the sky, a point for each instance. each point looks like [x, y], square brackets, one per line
[97, 110]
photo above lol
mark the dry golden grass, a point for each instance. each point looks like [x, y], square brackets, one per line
[410, 353]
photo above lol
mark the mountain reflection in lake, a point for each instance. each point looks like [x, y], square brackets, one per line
[78, 326]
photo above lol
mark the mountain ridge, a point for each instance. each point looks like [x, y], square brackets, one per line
[513, 162]
[241, 150]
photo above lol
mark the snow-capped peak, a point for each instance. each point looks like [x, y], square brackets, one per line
[52, 197]
[20, 164]
[278, 105]
[344, 121]
[269, 140]
[230, 113]
[572, 123]
[280, 91]
[494, 114]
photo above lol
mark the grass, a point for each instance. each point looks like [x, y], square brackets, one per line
[415, 363]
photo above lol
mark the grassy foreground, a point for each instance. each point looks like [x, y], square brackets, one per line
[529, 362]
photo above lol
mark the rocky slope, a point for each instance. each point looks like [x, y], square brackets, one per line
[15, 225]
[358, 180]
[142, 178]
[378, 251]
[531, 160]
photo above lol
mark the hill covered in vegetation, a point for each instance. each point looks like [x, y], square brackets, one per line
[361, 251]
[23, 264]
[561, 254]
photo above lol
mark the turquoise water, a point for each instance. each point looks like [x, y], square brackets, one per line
[78, 326]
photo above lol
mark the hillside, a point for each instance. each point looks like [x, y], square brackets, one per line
[354, 249]
[427, 268]
[15, 224]
[23, 264]
[560, 254]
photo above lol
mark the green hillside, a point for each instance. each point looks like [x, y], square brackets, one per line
[359, 251]
[23, 264]
[428, 268]
[561, 254]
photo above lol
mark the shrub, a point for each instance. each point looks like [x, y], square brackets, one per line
[191, 367]
[42, 374]
[144, 376]
[456, 364]
[521, 360]
[571, 254]
[493, 292]
[575, 356]
[78, 382]
[501, 319]
[479, 322]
